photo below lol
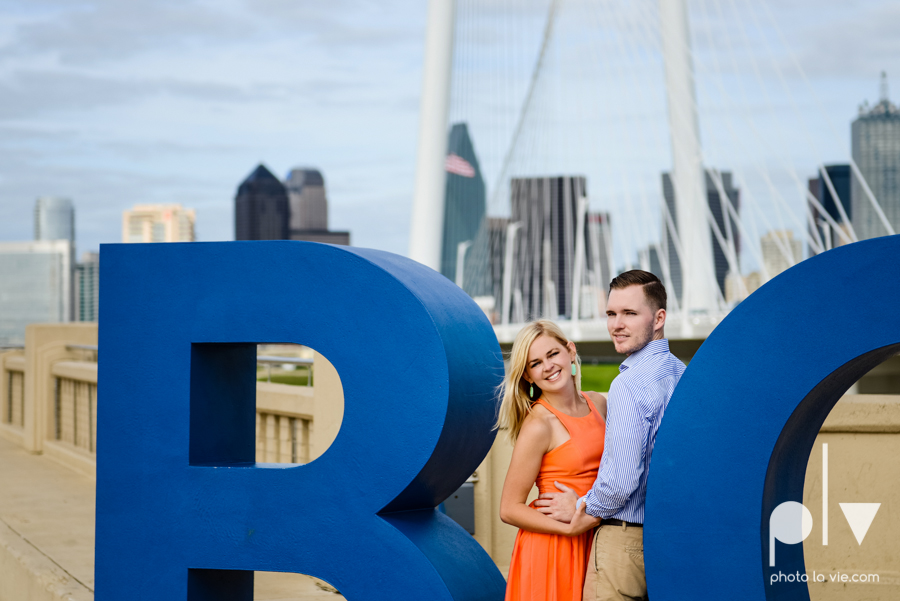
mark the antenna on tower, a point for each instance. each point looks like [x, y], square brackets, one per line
[884, 87]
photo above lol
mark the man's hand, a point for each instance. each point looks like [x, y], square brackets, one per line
[558, 505]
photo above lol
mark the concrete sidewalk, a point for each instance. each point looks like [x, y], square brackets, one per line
[47, 537]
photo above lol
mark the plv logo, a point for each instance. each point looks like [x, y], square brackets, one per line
[791, 522]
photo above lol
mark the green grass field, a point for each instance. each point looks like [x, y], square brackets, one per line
[296, 378]
[598, 377]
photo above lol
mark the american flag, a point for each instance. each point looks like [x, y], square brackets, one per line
[458, 165]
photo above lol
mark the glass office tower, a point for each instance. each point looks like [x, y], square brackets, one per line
[35, 286]
[876, 151]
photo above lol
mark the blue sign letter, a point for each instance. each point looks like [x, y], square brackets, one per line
[739, 429]
[183, 510]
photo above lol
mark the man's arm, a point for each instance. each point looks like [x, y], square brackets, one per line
[620, 468]
[622, 465]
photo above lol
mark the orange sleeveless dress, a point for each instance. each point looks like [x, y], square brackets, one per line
[551, 567]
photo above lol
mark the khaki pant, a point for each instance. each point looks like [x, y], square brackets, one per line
[616, 565]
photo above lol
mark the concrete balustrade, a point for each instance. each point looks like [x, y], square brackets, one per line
[75, 404]
[12, 392]
[48, 403]
[48, 406]
[283, 417]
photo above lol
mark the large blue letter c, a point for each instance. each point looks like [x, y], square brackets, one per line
[739, 429]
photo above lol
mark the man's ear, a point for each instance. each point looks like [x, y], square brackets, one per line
[660, 320]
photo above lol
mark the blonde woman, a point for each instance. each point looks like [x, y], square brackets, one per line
[558, 432]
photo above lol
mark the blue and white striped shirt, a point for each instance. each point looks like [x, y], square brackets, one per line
[637, 401]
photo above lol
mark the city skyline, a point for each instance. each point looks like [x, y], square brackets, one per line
[136, 125]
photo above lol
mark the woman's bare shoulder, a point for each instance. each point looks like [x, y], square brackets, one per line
[599, 400]
[536, 429]
[539, 418]
[595, 396]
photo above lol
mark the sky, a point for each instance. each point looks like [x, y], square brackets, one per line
[116, 103]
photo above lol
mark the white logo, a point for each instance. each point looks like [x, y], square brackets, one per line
[791, 522]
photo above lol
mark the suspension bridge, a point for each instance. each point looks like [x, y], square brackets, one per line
[564, 141]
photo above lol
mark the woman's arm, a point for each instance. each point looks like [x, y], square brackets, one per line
[533, 442]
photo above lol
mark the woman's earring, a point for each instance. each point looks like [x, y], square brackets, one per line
[531, 391]
[574, 370]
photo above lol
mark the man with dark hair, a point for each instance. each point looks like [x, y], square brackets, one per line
[636, 315]
[653, 288]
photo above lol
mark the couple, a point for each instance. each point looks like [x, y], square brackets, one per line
[563, 435]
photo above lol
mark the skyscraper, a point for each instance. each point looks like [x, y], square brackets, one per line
[496, 253]
[35, 286]
[545, 211]
[876, 151]
[87, 288]
[464, 205]
[54, 219]
[309, 208]
[727, 228]
[599, 272]
[821, 227]
[158, 223]
[306, 194]
[261, 208]
[772, 245]
[649, 260]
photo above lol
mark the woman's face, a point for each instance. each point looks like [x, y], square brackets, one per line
[549, 364]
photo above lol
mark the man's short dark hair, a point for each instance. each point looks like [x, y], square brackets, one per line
[654, 290]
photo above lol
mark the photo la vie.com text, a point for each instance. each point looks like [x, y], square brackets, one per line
[836, 577]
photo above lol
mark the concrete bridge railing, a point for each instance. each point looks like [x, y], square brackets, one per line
[48, 402]
[12, 389]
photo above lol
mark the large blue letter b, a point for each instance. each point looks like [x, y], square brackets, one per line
[183, 510]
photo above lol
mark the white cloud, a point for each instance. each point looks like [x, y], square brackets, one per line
[114, 103]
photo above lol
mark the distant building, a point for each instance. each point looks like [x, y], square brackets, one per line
[306, 195]
[545, 210]
[464, 207]
[738, 287]
[87, 288]
[261, 208]
[35, 286]
[822, 229]
[649, 260]
[54, 219]
[496, 232]
[599, 272]
[875, 138]
[775, 245]
[308, 208]
[726, 227]
[158, 223]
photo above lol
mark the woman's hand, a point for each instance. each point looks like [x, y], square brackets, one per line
[582, 521]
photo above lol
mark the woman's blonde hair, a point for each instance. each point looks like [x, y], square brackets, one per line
[516, 404]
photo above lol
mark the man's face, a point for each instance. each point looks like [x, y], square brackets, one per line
[631, 322]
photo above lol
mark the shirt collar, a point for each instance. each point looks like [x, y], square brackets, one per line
[654, 347]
